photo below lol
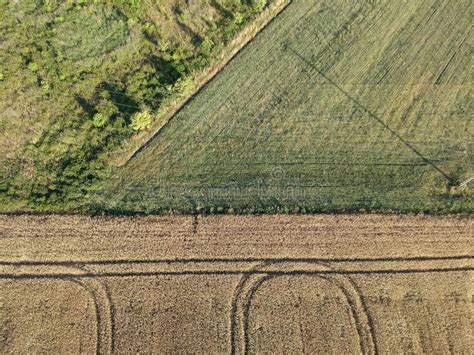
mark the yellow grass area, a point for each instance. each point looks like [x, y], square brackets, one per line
[241, 284]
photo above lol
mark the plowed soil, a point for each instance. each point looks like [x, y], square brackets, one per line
[236, 284]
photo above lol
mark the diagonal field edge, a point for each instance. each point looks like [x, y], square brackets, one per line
[372, 115]
[275, 43]
[210, 80]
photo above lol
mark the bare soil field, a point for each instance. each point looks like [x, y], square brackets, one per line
[236, 284]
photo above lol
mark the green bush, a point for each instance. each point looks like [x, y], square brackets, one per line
[206, 46]
[185, 86]
[33, 67]
[141, 121]
[99, 120]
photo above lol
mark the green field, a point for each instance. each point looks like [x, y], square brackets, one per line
[335, 106]
[79, 78]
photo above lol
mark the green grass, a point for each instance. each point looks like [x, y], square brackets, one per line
[75, 74]
[336, 106]
[106, 29]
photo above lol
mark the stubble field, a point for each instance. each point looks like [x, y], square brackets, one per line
[335, 106]
[235, 284]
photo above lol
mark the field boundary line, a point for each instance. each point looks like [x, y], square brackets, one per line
[372, 115]
[271, 266]
[235, 260]
[93, 275]
[204, 78]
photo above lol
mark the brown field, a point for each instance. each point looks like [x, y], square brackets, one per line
[237, 284]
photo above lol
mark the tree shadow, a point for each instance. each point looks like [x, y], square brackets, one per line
[196, 38]
[221, 9]
[124, 102]
[86, 106]
[169, 73]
